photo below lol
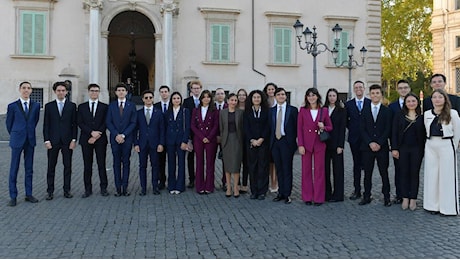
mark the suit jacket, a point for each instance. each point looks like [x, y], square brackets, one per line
[255, 128]
[159, 107]
[354, 119]
[57, 128]
[178, 130]
[308, 131]
[223, 125]
[290, 127]
[337, 135]
[152, 134]
[454, 101]
[190, 105]
[21, 126]
[207, 128]
[399, 126]
[88, 123]
[121, 125]
[378, 131]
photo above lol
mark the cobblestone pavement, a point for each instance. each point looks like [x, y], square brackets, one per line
[213, 226]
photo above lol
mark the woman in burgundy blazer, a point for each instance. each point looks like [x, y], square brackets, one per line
[311, 120]
[205, 127]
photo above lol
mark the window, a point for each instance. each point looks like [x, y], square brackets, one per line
[457, 80]
[33, 33]
[457, 4]
[220, 42]
[37, 96]
[344, 41]
[282, 45]
[457, 41]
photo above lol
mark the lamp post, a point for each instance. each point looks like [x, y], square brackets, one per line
[350, 63]
[311, 46]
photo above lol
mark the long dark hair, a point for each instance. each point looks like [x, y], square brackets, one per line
[212, 105]
[338, 103]
[263, 103]
[444, 117]
[175, 93]
[315, 92]
[418, 109]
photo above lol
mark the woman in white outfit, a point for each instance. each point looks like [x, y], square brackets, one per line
[442, 126]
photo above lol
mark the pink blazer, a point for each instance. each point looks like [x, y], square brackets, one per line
[308, 131]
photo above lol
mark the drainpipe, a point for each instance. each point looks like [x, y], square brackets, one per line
[253, 47]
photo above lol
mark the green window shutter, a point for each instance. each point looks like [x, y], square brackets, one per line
[220, 42]
[343, 44]
[282, 45]
[33, 33]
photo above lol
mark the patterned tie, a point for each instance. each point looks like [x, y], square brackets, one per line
[279, 118]
[121, 108]
[26, 108]
[92, 108]
[164, 108]
[147, 116]
[360, 105]
[61, 107]
[375, 112]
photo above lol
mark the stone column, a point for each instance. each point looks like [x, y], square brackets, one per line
[168, 7]
[159, 58]
[94, 7]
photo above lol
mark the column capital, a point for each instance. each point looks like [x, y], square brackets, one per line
[169, 7]
[92, 4]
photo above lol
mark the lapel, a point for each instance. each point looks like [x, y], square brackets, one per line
[286, 117]
[21, 108]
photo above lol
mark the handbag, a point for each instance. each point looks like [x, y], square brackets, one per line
[323, 135]
[189, 143]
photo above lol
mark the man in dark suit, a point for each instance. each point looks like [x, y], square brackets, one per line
[190, 103]
[60, 134]
[438, 81]
[403, 89]
[162, 106]
[121, 122]
[375, 130]
[149, 140]
[283, 143]
[354, 108]
[21, 121]
[93, 139]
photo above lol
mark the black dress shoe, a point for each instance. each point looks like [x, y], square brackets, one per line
[126, 193]
[104, 193]
[365, 201]
[317, 204]
[12, 202]
[261, 197]
[118, 194]
[355, 195]
[288, 200]
[397, 201]
[50, 196]
[191, 185]
[243, 191]
[334, 200]
[387, 203]
[86, 194]
[308, 203]
[31, 199]
[432, 212]
[202, 192]
[142, 193]
[278, 198]
[68, 195]
[253, 196]
[156, 191]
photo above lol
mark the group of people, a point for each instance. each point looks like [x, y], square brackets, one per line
[256, 134]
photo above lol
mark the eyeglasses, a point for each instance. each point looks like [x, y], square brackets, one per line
[148, 97]
[94, 90]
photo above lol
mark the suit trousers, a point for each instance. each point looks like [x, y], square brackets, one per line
[283, 163]
[336, 190]
[397, 178]
[88, 151]
[410, 170]
[258, 169]
[144, 155]
[162, 164]
[357, 165]
[14, 168]
[383, 160]
[53, 154]
[440, 188]
[190, 166]
[121, 164]
[313, 176]
[205, 183]
[176, 182]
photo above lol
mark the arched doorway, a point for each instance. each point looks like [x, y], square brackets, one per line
[131, 53]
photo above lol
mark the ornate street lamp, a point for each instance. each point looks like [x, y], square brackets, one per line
[311, 46]
[350, 63]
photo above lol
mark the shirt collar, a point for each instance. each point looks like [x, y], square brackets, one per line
[23, 100]
[58, 101]
[378, 105]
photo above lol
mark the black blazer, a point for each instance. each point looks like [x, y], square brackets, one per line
[255, 128]
[399, 125]
[354, 119]
[378, 131]
[58, 128]
[337, 135]
[159, 107]
[88, 123]
[454, 101]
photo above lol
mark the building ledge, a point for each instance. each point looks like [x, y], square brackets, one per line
[219, 63]
[38, 57]
[282, 65]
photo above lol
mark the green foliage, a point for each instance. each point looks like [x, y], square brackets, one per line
[406, 43]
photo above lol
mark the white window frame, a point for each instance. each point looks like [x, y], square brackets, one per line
[348, 24]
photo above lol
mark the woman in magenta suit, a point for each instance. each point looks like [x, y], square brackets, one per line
[205, 127]
[311, 120]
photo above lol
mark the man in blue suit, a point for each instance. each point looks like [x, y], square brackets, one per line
[149, 140]
[283, 143]
[21, 120]
[121, 122]
[354, 109]
[403, 89]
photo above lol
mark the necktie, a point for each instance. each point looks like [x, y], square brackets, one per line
[360, 105]
[147, 116]
[375, 112]
[279, 118]
[26, 108]
[164, 108]
[197, 102]
[220, 107]
[61, 106]
[92, 108]
[121, 108]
